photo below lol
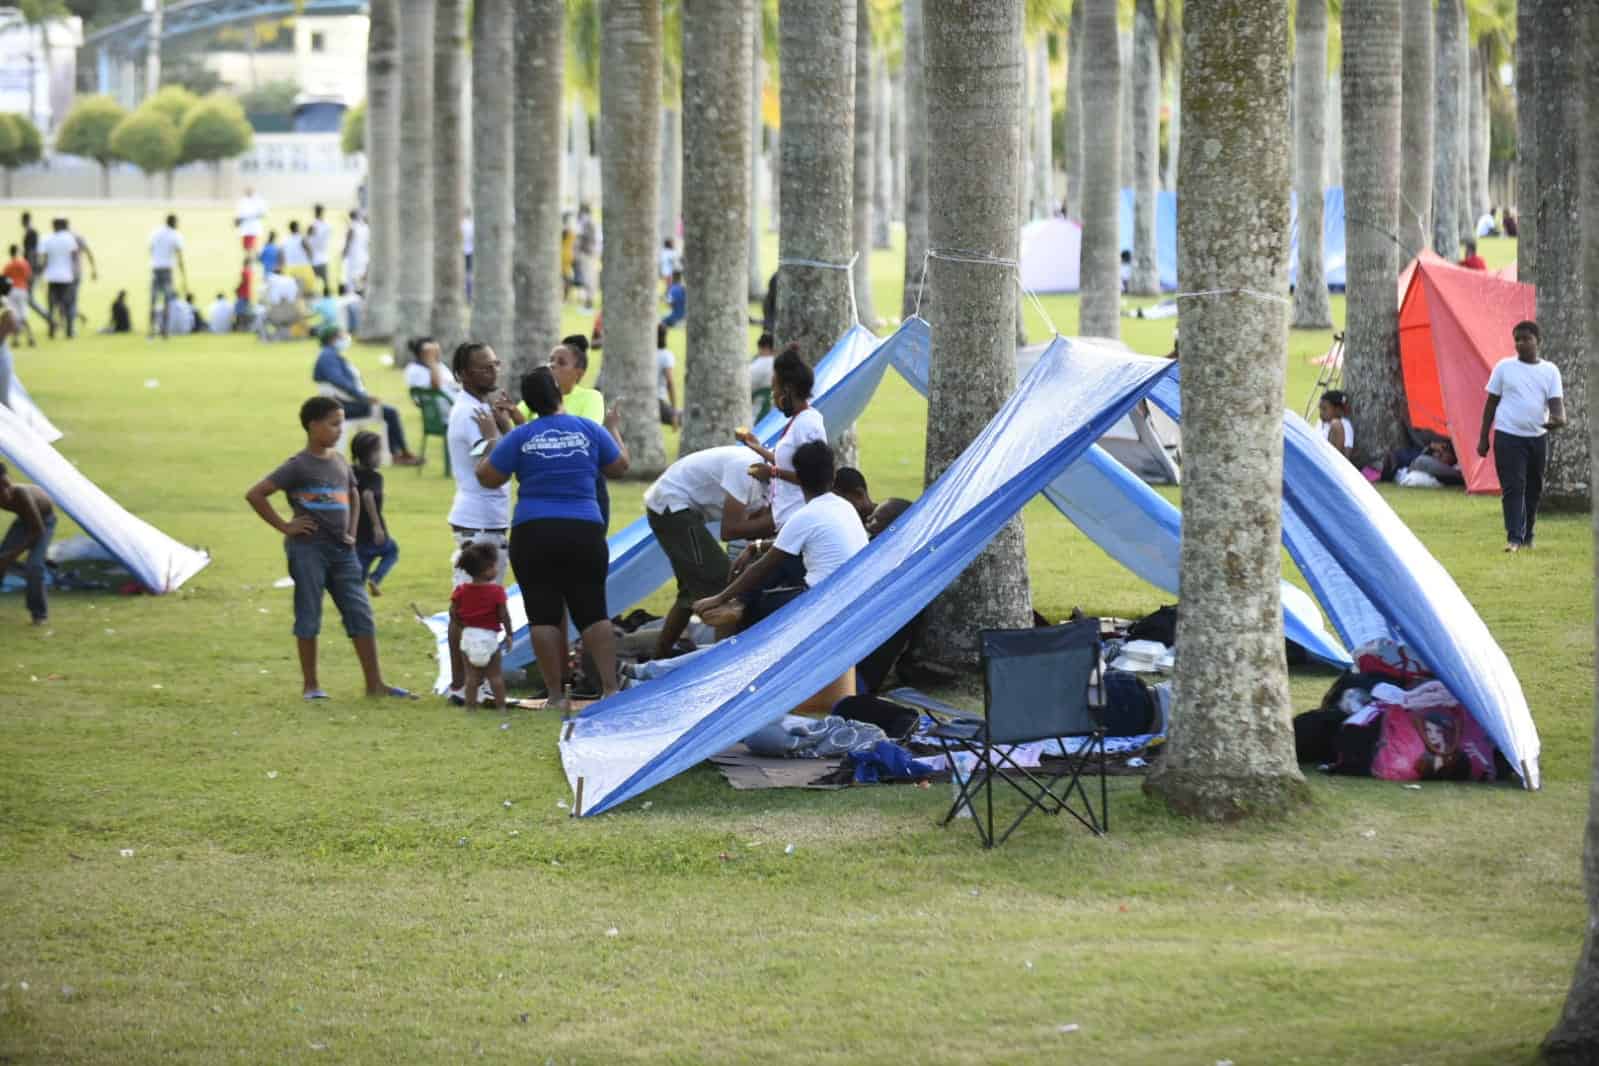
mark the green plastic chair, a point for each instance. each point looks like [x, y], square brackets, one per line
[435, 407]
[760, 402]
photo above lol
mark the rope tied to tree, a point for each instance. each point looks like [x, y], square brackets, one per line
[822, 264]
[1255, 293]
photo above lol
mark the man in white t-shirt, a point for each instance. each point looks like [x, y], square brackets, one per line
[477, 514]
[825, 534]
[1525, 401]
[219, 316]
[319, 242]
[60, 253]
[166, 254]
[1487, 224]
[706, 487]
[250, 217]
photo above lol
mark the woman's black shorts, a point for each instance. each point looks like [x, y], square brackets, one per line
[561, 564]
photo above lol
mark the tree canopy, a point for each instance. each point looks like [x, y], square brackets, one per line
[173, 102]
[86, 131]
[352, 137]
[214, 130]
[28, 146]
[147, 139]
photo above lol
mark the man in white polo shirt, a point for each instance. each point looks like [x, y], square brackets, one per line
[477, 515]
[60, 252]
[250, 217]
[1525, 401]
[166, 254]
[710, 486]
[825, 533]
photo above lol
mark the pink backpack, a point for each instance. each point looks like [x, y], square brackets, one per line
[1428, 735]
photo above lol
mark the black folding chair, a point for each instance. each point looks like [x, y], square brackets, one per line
[1035, 687]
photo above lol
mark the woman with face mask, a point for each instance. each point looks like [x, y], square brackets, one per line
[340, 379]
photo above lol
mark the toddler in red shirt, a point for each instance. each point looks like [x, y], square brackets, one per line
[478, 607]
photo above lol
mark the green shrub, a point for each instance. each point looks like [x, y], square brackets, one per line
[148, 140]
[86, 131]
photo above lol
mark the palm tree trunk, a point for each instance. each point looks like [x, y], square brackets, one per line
[757, 127]
[1479, 130]
[1415, 194]
[1024, 164]
[1125, 167]
[630, 159]
[1231, 754]
[1371, 74]
[974, 90]
[449, 179]
[1561, 293]
[582, 153]
[493, 175]
[539, 71]
[1101, 91]
[1469, 212]
[1574, 1041]
[774, 178]
[716, 148]
[1446, 204]
[1312, 309]
[671, 172]
[414, 296]
[1528, 47]
[1072, 150]
[1145, 176]
[816, 41]
[914, 294]
[382, 167]
[882, 160]
[1174, 124]
[865, 160]
[896, 150]
[1040, 128]
[1335, 122]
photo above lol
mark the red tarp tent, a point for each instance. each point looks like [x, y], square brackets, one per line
[1454, 325]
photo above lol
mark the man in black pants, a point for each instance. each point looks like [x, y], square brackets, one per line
[1524, 403]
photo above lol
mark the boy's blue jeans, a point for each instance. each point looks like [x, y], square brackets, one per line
[33, 569]
[386, 555]
[316, 564]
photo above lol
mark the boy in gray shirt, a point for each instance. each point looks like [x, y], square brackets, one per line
[320, 543]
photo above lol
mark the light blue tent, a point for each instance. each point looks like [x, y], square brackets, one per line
[644, 736]
[1332, 238]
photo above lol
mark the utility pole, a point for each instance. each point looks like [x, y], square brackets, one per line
[152, 61]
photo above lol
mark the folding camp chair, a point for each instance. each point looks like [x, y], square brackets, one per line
[1035, 687]
[434, 404]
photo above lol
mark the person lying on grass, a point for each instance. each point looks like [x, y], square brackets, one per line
[319, 541]
[825, 533]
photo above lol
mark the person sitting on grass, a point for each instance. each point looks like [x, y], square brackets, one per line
[334, 369]
[478, 608]
[319, 541]
[1336, 428]
[824, 533]
[1471, 260]
[30, 532]
[711, 485]
[121, 317]
[372, 540]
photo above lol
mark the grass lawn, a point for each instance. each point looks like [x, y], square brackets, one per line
[354, 882]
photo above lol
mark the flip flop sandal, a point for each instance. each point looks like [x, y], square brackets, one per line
[401, 693]
[315, 694]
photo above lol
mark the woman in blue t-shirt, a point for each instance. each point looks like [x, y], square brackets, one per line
[558, 548]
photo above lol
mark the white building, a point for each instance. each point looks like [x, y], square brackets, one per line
[38, 66]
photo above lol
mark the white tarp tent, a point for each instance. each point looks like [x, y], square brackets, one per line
[23, 407]
[1051, 256]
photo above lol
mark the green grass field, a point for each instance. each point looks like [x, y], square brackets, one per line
[345, 883]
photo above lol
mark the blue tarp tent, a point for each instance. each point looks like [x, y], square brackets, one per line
[160, 563]
[1376, 579]
[1332, 238]
[642, 737]
[1165, 233]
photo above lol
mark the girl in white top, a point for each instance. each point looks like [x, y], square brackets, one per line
[1336, 428]
[792, 382]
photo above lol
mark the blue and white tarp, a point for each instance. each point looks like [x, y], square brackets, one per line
[644, 736]
[1376, 579]
[160, 563]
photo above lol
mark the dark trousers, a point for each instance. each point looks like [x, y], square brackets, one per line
[385, 555]
[64, 298]
[1520, 463]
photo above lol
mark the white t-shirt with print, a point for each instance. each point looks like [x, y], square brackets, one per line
[826, 533]
[57, 251]
[701, 483]
[805, 427]
[1524, 391]
[320, 237]
[165, 244]
[475, 507]
[664, 362]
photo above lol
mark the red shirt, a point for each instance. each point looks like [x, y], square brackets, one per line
[479, 605]
[1474, 262]
[243, 291]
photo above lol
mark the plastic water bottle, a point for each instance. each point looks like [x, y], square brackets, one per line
[964, 762]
